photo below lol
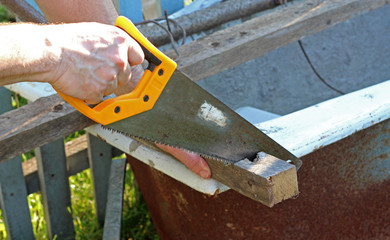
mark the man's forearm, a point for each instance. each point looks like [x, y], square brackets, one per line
[26, 53]
[68, 11]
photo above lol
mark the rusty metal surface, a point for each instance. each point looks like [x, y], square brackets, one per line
[345, 193]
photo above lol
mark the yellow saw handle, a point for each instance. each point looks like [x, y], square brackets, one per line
[144, 96]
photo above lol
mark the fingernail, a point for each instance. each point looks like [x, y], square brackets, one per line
[205, 174]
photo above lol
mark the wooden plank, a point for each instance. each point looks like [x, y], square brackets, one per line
[267, 179]
[13, 192]
[113, 221]
[207, 18]
[5, 100]
[36, 124]
[54, 186]
[13, 200]
[100, 158]
[238, 44]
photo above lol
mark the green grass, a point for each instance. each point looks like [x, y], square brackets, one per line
[5, 16]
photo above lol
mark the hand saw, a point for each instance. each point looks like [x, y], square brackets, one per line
[168, 108]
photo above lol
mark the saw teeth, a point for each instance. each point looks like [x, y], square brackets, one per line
[225, 161]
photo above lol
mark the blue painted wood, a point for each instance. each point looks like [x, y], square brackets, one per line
[100, 158]
[113, 221]
[13, 191]
[54, 186]
[5, 100]
[34, 5]
[13, 200]
[131, 9]
[171, 6]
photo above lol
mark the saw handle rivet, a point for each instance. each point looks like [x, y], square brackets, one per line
[117, 109]
[146, 98]
[160, 72]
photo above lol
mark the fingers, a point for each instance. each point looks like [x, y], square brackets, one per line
[133, 56]
[124, 76]
[135, 53]
[193, 161]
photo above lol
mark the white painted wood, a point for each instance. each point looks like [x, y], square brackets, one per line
[158, 160]
[301, 132]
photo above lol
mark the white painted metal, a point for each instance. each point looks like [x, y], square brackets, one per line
[304, 131]
[301, 132]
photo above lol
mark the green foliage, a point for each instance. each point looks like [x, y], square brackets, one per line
[74, 135]
[137, 223]
[83, 211]
[37, 215]
[18, 101]
[5, 16]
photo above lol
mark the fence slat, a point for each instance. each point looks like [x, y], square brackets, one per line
[54, 185]
[113, 222]
[13, 200]
[13, 192]
[100, 158]
[5, 100]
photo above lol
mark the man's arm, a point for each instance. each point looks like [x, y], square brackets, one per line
[22, 59]
[68, 11]
[82, 60]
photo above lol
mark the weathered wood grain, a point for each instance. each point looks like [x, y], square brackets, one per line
[13, 201]
[113, 220]
[207, 18]
[100, 158]
[268, 179]
[36, 124]
[238, 44]
[54, 186]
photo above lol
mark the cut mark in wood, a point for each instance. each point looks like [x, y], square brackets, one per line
[134, 145]
[210, 113]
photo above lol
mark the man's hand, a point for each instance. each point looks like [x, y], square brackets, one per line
[95, 59]
[193, 161]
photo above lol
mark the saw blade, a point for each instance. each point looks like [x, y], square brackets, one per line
[188, 117]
